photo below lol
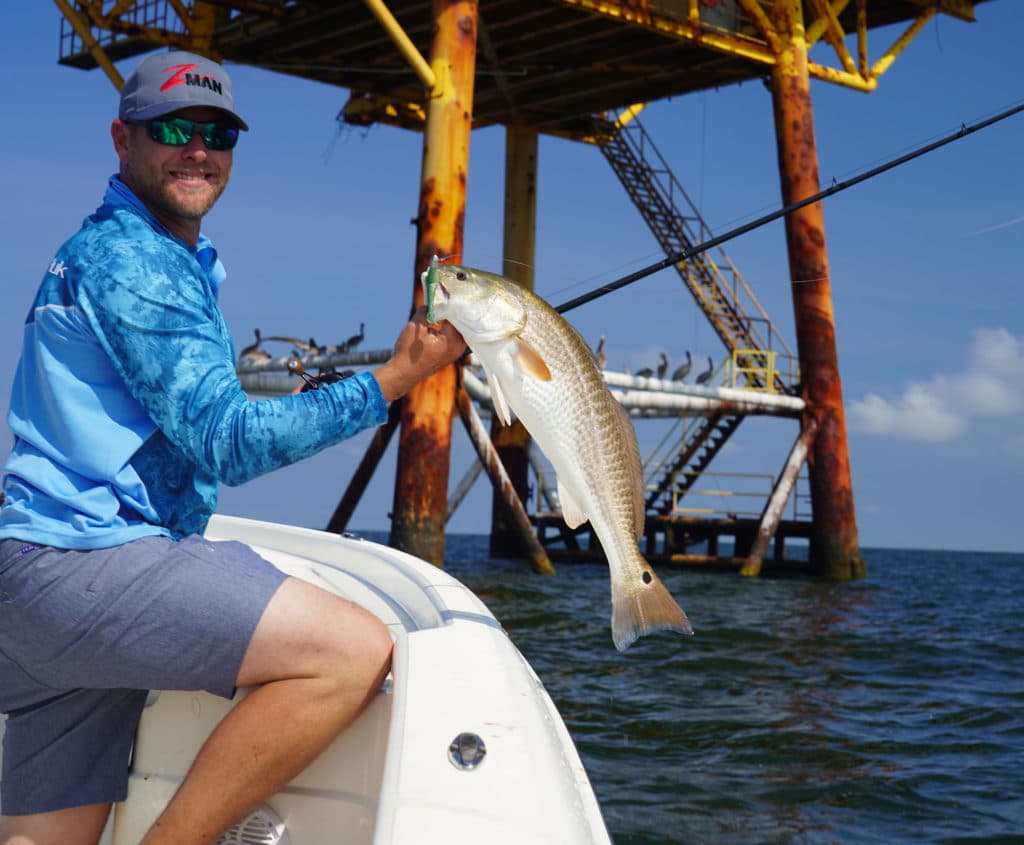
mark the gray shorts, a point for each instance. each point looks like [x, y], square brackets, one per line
[85, 635]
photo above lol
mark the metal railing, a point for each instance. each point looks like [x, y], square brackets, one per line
[739, 495]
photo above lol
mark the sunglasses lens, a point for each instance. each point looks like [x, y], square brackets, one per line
[177, 131]
[220, 137]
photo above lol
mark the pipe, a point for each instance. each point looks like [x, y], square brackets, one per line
[675, 397]
[326, 361]
[754, 398]
[643, 403]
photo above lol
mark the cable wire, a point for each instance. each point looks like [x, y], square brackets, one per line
[835, 188]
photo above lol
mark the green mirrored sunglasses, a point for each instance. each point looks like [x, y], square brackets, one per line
[178, 131]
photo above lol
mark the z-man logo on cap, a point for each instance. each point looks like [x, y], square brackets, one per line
[181, 76]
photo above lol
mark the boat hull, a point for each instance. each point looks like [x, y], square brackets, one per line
[390, 778]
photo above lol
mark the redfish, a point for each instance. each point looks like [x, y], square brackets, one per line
[540, 369]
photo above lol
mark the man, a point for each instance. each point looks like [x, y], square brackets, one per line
[127, 413]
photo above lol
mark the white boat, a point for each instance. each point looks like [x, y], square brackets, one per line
[461, 745]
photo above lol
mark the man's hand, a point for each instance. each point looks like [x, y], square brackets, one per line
[420, 351]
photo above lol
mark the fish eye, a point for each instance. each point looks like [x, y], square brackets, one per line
[461, 275]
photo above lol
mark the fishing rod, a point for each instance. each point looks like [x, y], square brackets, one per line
[835, 188]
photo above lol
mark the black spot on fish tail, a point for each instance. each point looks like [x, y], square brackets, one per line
[643, 610]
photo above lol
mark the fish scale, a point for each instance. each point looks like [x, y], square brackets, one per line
[539, 368]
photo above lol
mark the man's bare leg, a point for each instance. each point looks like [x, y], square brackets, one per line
[75, 826]
[319, 660]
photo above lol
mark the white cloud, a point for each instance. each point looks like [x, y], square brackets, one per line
[917, 415]
[944, 407]
[997, 351]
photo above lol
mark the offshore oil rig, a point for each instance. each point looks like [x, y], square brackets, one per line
[579, 69]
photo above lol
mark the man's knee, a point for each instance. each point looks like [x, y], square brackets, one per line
[308, 632]
[365, 648]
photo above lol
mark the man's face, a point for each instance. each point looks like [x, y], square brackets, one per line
[178, 184]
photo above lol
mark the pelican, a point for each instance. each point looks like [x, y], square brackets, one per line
[254, 353]
[663, 366]
[599, 354]
[356, 339]
[646, 372]
[308, 347]
[683, 370]
[705, 377]
[253, 349]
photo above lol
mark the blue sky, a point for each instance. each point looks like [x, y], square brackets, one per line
[926, 261]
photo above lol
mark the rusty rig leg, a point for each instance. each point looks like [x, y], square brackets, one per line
[513, 442]
[835, 551]
[421, 480]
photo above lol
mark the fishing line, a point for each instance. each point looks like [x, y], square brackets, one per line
[834, 188]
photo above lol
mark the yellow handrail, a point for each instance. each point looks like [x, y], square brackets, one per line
[753, 369]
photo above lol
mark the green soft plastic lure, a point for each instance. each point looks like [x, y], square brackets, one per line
[431, 287]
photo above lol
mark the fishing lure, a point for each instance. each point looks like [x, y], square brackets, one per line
[431, 286]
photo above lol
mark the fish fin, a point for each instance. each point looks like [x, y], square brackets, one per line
[499, 400]
[498, 397]
[644, 607]
[530, 361]
[634, 463]
[572, 513]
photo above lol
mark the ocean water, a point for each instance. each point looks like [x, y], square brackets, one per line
[885, 710]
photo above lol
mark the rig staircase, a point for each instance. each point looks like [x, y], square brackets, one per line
[697, 449]
[716, 285]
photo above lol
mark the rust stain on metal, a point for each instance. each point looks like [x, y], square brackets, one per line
[460, 226]
[420, 501]
[834, 545]
[422, 489]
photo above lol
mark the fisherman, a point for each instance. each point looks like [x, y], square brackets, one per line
[127, 414]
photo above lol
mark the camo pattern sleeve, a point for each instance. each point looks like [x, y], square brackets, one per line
[154, 310]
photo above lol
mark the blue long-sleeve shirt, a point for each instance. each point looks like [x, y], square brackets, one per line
[126, 409]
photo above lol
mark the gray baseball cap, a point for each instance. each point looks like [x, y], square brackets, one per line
[166, 82]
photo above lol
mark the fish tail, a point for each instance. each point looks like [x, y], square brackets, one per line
[643, 609]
